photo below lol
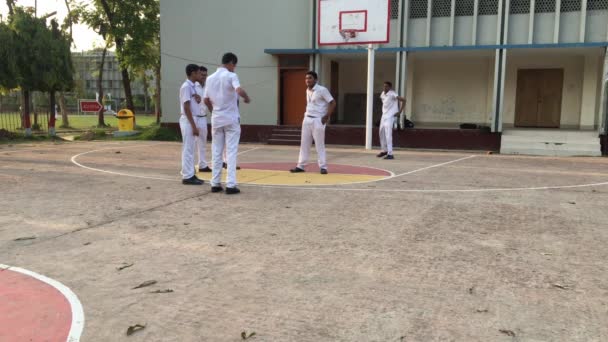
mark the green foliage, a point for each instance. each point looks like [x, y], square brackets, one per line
[8, 68]
[37, 57]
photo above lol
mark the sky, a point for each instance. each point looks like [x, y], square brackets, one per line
[84, 38]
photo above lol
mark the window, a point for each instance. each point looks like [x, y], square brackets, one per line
[519, 6]
[597, 5]
[465, 7]
[488, 7]
[418, 8]
[442, 8]
[394, 9]
[544, 6]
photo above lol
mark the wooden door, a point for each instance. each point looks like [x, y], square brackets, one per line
[539, 98]
[293, 96]
[550, 98]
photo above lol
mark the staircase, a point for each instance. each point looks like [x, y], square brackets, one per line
[549, 142]
[285, 135]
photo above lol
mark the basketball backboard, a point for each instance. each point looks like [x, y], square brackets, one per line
[343, 22]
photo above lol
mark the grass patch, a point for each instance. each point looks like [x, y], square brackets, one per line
[156, 133]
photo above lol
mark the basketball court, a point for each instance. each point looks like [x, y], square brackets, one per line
[429, 246]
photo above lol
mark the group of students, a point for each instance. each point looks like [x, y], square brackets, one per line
[219, 95]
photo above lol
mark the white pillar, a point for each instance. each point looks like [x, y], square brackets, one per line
[499, 89]
[558, 16]
[371, 54]
[429, 17]
[603, 100]
[591, 73]
[452, 23]
[475, 17]
[583, 21]
[531, 22]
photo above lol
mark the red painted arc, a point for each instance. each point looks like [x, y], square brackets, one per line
[333, 168]
[31, 310]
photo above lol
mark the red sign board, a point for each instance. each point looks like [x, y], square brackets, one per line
[90, 106]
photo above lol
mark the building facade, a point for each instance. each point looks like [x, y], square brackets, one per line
[86, 68]
[503, 65]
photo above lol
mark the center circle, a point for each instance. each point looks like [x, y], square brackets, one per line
[278, 174]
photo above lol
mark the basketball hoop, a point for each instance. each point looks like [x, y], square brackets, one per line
[348, 34]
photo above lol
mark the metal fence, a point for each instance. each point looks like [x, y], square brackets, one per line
[13, 121]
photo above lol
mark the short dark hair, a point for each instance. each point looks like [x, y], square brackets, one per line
[313, 74]
[388, 83]
[190, 68]
[202, 68]
[229, 57]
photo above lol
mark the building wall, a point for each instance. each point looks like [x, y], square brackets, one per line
[353, 80]
[451, 91]
[86, 66]
[201, 32]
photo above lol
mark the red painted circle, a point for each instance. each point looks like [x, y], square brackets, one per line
[333, 168]
[31, 310]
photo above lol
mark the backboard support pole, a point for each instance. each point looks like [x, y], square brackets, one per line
[371, 56]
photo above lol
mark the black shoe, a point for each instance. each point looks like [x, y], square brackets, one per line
[381, 154]
[232, 191]
[205, 169]
[323, 171]
[217, 189]
[296, 170]
[389, 157]
[225, 166]
[192, 181]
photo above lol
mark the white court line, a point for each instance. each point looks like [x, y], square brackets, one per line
[73, 159]
[328, 188]
[253, 149]
[433, 166]
[77, 311]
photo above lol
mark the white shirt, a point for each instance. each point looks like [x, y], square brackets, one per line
[390, 103]
[220, 88]
[186, 93]
[317, 101]
[200, 90]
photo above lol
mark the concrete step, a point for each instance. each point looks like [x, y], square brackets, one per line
[286, 136]
[289, 142]
[287, 131]
[550, 134]
[551, 153]
[551, 139]
[550, 142]
[551, 149]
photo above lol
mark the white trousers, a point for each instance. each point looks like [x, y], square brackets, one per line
[386, 134]
[225, 137]
[188, 146]
[312, 129]
[201, 141]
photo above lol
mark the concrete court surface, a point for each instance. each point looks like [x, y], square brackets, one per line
[431, 246]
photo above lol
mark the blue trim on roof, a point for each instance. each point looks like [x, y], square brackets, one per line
[437, 48]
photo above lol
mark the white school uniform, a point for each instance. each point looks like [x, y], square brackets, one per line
[186, 93]
[201, 122]
[390, 107]
[317, 103]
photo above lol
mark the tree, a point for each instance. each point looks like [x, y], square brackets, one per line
[38, 58]
[9, 75]
[68, 24]
[129, 24]
[32, 42]
[62, 71]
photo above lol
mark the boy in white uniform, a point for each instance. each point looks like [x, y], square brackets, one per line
[189, 106]
[201, 122]
[222, 91]
[392, 106]
[320, 105]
